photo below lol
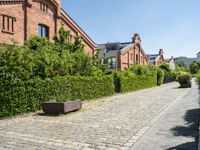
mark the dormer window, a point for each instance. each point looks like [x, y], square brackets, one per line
[44, 7]
[43, 31]
[8, 23]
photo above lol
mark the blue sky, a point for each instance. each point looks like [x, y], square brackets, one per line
[173, 25]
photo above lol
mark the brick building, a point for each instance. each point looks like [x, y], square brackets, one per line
[122, 55]
[156, 59]
[20, 19]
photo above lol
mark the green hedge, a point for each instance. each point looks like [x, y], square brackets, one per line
[198, 78]
[17, 96]
[160, 76]
[136, 82]
[184, 79]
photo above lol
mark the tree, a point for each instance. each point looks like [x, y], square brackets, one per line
[101, 63]
[195, 67]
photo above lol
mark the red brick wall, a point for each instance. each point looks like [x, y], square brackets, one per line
[35, 16]
[129, 58]
[16, 11]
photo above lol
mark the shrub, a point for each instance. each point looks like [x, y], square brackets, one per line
[169, 75]
[165, 67]
[195, 67]
[137, 69]
[160, 76]
[136, 82]
[17, 96]
[198, 78]
[128, 81]
[184, 79]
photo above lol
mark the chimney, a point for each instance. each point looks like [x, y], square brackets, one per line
[136, 38]
[161, 52]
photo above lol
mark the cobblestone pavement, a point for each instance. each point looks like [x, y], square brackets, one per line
[177, 129]
[111, 123]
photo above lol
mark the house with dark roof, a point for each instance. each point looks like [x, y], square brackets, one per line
[171, 62]
[122, 55]
[156, 59]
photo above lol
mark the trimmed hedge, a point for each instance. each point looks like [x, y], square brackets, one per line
[17, 96]
[160, 76]
[184, 80]
[136, 82]
[130, 82]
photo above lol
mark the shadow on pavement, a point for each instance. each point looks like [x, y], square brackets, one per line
[189, 130]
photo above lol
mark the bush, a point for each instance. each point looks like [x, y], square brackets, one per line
[17, 96]
[160, 76]
[184, 79]
[136, 82]
[198, 78]
[169, 75]
[128, 81]
[137, 69]
[195, 67]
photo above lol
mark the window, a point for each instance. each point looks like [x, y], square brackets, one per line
[112, 63]
[8, 24]
[43, 31]
[44, 7]
[137, 58]
[131, 57]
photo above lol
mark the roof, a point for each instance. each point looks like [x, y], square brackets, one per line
[153, 56]
[119, 47]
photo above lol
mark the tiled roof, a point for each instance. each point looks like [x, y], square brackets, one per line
[152, 56]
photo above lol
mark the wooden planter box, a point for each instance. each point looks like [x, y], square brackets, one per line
[61, 107]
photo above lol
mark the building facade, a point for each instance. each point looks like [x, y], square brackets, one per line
[156, 59]
[122, 55]
[171, 62]
[21, 19]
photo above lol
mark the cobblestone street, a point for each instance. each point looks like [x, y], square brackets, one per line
[111, 123]
[177, 129]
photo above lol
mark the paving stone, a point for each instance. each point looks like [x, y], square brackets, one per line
[177, 128]
[110, 123]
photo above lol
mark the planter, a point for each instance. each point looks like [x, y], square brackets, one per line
[61, 107]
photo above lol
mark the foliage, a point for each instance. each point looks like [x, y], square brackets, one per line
[181, 66]
[137, 69]
[37, 43]
[41, 58]
[198, 78]
[169, 74]
[19, 96]
[136, 82]
[184, 79]
[165, 67]
[100, 63]
[160, 76]
[195, 67]
[137, 77]
[17, 61]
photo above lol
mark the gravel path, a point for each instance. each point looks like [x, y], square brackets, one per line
[111, 123]
[177, 129]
